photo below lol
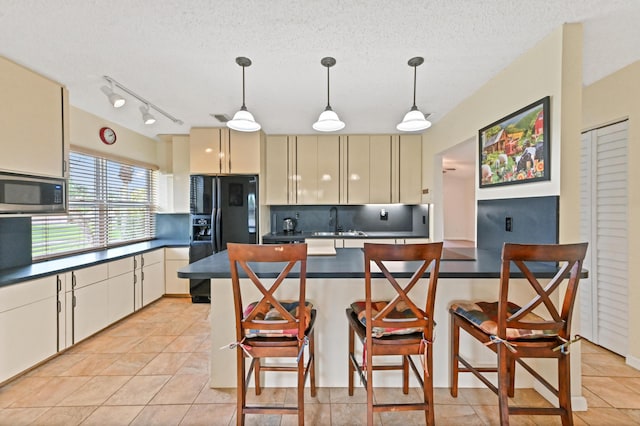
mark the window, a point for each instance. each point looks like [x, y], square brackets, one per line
[110, 203]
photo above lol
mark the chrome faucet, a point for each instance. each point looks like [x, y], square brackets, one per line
[333, 218]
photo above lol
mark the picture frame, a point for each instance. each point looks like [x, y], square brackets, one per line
[515, 148]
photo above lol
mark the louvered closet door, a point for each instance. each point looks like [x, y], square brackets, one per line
[604, 298]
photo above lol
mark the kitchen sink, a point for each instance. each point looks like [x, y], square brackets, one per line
[339, 234]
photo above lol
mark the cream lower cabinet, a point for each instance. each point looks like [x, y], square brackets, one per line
[149, 277]
[175, 258]
[121, 289]
[302, 169]
[87, 302]
[34, 123]
[28, 325]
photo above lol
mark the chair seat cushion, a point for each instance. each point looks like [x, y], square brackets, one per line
[271, 314]
[398, 314]
[484, 315]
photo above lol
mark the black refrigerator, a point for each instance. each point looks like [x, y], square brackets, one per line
[223, 209]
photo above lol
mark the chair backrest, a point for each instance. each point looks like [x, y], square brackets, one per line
[526, 257]
[416, 315]
[268, 315]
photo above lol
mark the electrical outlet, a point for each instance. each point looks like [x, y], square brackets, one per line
[508, 224]
[384, 214]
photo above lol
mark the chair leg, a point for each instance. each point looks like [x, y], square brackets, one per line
[455, 347]
[241, 391]
[369, 384]
[312, 367]
[564, 389]
[428, 388]
[405, 375]
[503, 384]
[351, 353]
[301, 391]
[512, 376]
[257, 376]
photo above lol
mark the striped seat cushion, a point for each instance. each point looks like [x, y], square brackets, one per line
[269, 313]
[400, 313]
[484, 315]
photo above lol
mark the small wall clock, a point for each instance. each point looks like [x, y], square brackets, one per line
[107, 135]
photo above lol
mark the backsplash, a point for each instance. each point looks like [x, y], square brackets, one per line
[532, 220]
[15, 242]
[400, 218]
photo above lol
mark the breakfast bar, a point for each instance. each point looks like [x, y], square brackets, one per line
[333, 282]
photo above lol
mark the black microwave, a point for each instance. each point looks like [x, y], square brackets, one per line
[30, 194]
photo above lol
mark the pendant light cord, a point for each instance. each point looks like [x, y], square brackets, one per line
[243, 105]
[414, 107]
[328, 85]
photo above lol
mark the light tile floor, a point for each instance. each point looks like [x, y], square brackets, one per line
[151, 369]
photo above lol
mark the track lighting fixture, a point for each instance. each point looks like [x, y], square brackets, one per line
[243, 120]
[144, 109]
[146, 115]
[114, 99]
[414, 120]
[328, 120]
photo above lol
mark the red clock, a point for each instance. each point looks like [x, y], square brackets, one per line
[107, 136]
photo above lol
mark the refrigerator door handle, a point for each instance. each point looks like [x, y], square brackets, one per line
[218, 244]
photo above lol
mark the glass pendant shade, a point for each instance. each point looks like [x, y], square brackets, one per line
[328, 122]
[413, 121]
[243, 121]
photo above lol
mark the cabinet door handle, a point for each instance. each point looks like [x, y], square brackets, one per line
[135, 263]
[73, 280]
[59, 307]
[135, 279]
[142, 275]
[58, 283]
[73, 301]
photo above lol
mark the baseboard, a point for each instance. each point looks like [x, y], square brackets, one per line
[633, 362]
[578, 402]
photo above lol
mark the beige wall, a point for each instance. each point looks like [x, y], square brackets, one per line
[85, 129]
[612, 99]
[551, 68]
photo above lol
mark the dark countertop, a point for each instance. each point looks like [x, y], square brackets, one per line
[348, 263]
[74, 262]
[302, 235]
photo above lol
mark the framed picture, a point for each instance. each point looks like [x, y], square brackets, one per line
[515, 149]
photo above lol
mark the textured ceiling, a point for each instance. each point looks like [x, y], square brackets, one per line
[180, 55]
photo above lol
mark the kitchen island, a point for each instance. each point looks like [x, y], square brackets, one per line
[333, 282]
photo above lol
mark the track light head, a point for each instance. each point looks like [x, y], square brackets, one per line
[146, 115]
[114, 99]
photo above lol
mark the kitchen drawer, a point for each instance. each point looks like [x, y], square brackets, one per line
[152, 257]
[25, 293]
[120, 267]
[176, 253]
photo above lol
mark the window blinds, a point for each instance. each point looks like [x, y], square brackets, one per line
[110, 203]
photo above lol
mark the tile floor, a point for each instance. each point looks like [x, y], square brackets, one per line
[151, 369]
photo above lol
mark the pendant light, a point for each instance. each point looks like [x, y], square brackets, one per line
[328, 120]
[414, 120]
[243, 120]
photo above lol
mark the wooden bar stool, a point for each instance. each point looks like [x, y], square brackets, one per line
[269, 327]
[397, 326]
[514, 332]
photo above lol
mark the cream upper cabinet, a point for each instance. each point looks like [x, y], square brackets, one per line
[278, 176]
[303, 169]
[328, 171]
[356, 166]
[224, 151]
[380, 179]
[244, 153]
[409, 169]
[33, 119]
